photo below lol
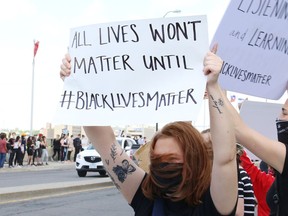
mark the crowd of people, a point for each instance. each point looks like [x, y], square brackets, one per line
[21, 150]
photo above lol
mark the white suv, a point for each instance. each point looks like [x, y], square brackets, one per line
[89, 159]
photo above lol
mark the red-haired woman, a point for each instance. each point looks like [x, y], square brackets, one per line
[181, 180]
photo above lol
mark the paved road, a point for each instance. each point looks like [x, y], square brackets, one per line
[29, 182]
[103, 202]
[40, 175]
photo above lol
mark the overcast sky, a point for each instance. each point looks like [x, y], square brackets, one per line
[22, 21]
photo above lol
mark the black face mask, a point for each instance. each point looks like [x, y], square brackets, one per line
[282, 131]
[167, 176]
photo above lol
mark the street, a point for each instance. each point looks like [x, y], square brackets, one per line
[106, 202]
[40, 175]
[88, 199]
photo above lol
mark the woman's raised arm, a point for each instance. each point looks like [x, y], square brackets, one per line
[125, 174]
[224, 183]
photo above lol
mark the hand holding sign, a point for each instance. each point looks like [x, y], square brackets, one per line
[253, 45]
[212, 65]
[65, 67]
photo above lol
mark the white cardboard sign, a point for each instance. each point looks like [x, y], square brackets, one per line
[253, 42]
[141, 71]
[261, 116]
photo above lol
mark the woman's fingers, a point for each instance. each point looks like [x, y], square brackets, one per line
[65, 67]
[214, 48]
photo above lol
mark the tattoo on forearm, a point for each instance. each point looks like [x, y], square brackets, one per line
[107, 162]
[124, 170]
[220, 102]
[217, 104]
[113, 152]
[113, 180]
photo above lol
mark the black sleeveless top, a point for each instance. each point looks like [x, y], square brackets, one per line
[277, 196]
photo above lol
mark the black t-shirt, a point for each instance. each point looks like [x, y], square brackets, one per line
[10, 143]
[143, 206]
[77, 143]
[56, 144]
[272, 199]
[278, 192]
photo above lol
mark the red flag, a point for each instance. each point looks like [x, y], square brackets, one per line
[36, 45]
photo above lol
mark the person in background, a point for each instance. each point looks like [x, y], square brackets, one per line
[3, 149]
[141, 140]
[30, 150]
[9, 150]
[44, 146]
[17, 151]
[246, 199]
[64, 147]
[22, 150]
[77, 143]
[84, 141]
[261, 183]
[181, 178]
[263, 166]
[37, 151]
[135, 139]
[272, 152]
[10, 146]
[56, 148]
[70, 147]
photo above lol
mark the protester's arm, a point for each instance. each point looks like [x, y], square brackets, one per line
[268, 150]
[224, 183]
[125, 174]
[272, 152]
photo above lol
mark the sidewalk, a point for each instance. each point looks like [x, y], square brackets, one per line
[51, 165]
[18, 193]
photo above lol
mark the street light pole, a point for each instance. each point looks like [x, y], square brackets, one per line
[32, 98]
[173, 11]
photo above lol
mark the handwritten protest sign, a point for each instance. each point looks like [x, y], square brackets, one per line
[142, 71]
[253, 42]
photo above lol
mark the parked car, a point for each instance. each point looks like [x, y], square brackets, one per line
[125, 142]
[89, 160]
[129, 145]
[132, 151]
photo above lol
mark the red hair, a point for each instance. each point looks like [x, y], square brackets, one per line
[197, 165]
